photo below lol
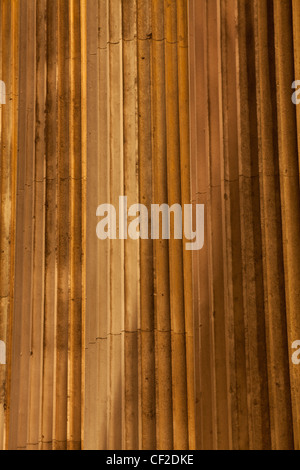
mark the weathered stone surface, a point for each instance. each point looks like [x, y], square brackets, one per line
[123, 344]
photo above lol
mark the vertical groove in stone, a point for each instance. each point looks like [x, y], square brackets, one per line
[215, 225]
[97, 273]
[278, 367]
[132, 247]
[9, 20]
[50, 276]
[289, 186]
[200, 195]
[62, 242]
[179, 384]
[296, 36]
[36, 359]
[22, 318]
[258, 412]
[163, 364]
[147, 351]
[184, 134]
[116, 322]
[235, 233]
[91, 253]
[75, 170]
[83, 51]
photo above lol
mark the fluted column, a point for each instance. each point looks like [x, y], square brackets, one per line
[45, 382]
[139, 365]
[244, 57]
